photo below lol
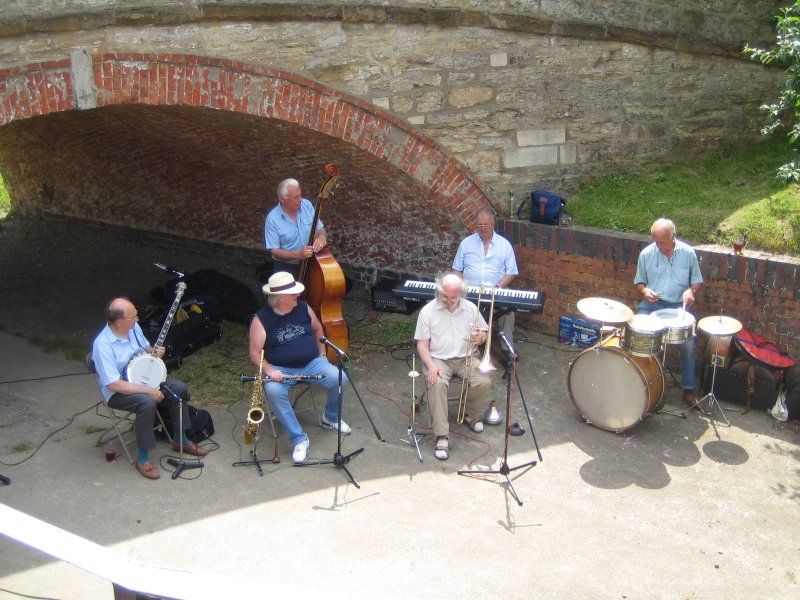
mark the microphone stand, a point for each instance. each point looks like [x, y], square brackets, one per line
[179, 463]
[504, 470]
[340, 460]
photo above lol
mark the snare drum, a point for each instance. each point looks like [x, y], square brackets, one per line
[612, 389]
[680, 324]
[644, 335]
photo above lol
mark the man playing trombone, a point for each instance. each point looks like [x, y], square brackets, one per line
[448, 330]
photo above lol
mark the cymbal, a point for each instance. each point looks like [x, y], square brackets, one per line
[605, 310]
[719, 325]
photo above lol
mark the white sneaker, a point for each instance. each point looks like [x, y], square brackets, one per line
[324, 422]
[300, 452]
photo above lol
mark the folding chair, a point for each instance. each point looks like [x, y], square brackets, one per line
[299, 390]
[101, 441]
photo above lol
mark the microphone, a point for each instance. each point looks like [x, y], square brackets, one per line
[167, 391]
[168, 269]
[509, 347]
[332, 346]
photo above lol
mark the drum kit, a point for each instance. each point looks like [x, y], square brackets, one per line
[618, 381]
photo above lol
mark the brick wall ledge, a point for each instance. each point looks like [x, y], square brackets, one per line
[569, 263]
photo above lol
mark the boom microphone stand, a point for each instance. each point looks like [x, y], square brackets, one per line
[179, 463]
[515, 429]
[340, 460]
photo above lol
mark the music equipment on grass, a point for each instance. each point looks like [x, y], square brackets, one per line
[324, 278]
[384, 301]
[523, 301]
[613, 389]
[146, 368]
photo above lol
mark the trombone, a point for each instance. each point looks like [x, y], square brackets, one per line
[485, 366]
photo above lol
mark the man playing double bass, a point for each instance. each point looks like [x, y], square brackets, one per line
[287, 228]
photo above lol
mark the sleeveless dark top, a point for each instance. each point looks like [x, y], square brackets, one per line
[290, 339]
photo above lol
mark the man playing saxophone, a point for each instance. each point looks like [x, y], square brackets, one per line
[448, 330]
[284, 343]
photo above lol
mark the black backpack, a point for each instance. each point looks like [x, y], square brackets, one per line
[200, 426]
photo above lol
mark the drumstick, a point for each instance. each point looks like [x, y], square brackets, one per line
[683, 309]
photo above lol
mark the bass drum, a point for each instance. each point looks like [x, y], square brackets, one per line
[612, 389]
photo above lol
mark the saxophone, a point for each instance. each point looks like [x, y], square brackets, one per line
[255, 415]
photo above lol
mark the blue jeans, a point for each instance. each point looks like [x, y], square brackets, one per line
[277, 394]
[685, 350]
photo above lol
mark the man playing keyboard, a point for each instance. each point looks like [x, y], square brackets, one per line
[487, 258]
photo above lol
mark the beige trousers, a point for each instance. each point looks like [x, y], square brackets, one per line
[479, 385]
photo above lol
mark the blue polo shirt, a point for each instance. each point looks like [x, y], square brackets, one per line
[668, 277]
[112, 354]
[283, 232]
[480, 268]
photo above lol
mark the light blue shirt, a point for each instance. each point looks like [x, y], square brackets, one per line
[668, 277]
[283, 232]
[490, 267]
[112, 354]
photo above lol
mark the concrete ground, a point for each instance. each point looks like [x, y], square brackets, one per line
[672, 508]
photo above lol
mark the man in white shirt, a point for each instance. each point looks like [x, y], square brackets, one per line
[487, 258]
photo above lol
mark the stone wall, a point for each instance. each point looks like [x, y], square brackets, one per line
[524, 93]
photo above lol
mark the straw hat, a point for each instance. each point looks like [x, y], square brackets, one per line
[282, 283]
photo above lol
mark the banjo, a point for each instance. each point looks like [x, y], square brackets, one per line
[146, 368]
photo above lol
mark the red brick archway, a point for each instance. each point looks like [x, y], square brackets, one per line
[209, 83]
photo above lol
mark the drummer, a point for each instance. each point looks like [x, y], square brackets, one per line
[668, 276]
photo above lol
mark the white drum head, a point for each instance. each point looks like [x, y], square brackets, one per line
[608, 389]
[646, 323]
[674, 317]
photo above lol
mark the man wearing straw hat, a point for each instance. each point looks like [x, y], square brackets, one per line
[288, 333]
[668, 276]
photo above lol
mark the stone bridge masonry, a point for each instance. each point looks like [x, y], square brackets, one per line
[181, 117]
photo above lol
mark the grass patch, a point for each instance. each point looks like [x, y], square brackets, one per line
[390, 330]
[712, 200]
[213, 372]
[90, 429]
[71, 349]
[5, 200]
[21, 447]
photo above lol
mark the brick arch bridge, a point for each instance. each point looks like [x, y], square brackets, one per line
[195, 146]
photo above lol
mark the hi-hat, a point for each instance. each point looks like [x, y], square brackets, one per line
[605, 310]
[719, 325]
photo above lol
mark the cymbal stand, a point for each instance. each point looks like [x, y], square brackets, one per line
[504, 469]
[340, 460]
[411, 436]
[179, 463]
[710, 398]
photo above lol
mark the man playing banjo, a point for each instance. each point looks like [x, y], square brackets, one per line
[112, 350]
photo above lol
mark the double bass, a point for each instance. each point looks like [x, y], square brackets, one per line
[324, 278]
